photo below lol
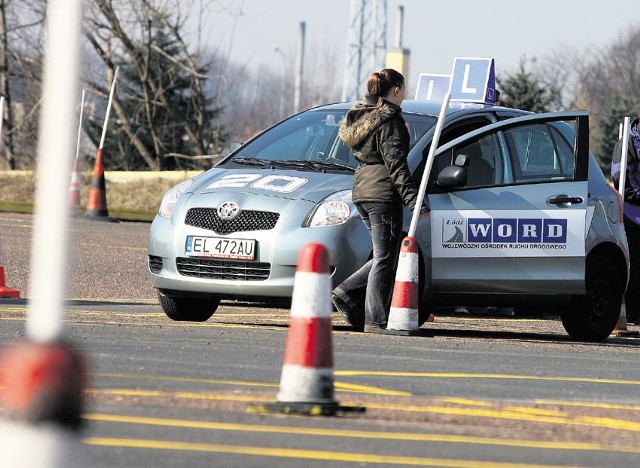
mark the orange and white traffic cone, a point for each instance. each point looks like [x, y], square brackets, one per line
[6, 291]
[41, 392]
[42, 382]
[74, 185]
[97, 201]
[621, 328]
[403, 316]
[306, 383]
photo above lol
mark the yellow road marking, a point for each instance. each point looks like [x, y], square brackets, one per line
[581, 421]
[466, 401]
[519, 414]
[298, 453]
[538, 411]
[188, 379]
[355, 434]
[347, 387]
[462, 375]
[590, 404]
[343, 386]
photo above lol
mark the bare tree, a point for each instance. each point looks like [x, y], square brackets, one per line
[21, 39]
[162, 106]
[614, 72]
[257, 101]
[563, 70]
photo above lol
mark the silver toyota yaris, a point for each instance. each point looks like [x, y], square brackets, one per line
[521, 216]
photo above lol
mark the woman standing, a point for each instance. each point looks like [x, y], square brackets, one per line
[376, 131]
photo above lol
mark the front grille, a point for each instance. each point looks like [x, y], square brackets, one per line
[248, 220]
[155, 263]
[223, 269]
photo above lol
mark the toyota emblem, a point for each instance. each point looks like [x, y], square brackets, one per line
[228, 210]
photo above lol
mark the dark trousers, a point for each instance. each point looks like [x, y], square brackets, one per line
[371, 287]
[632, 296]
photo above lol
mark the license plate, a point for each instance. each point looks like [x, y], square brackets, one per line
[220, 247]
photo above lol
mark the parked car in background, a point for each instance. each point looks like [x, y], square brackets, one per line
[521, 215]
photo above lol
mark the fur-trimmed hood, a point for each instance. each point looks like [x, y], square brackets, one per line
[365, 117]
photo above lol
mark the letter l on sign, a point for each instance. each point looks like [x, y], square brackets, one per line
[465, 81]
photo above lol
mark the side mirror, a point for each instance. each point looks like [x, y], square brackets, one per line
[456, 175]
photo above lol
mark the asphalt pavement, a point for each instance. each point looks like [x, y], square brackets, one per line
[480, 391]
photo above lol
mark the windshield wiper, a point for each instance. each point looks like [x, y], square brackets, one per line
[251, 161]
[295, 163]
[331, 165]
[315, 165]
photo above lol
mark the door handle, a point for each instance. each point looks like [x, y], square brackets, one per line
[565, 200]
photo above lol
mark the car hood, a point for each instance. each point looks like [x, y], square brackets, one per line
[311, 186]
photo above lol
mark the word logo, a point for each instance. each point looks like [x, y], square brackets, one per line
[504, 230]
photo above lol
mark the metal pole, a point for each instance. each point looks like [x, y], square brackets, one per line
[623, 156]
[399, 23]
[299, 69]
[106, 117]
[1, 120]
[80, 125]
[427, 168]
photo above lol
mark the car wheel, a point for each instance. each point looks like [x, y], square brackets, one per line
[188, 309]
[593, 317]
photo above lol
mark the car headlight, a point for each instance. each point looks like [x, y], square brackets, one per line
[335, 209]
[170, 198]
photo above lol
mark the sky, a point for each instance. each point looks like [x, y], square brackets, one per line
[434, 31]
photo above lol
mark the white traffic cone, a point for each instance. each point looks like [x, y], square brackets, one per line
[306, 384]
[403, 316]
[74, 185]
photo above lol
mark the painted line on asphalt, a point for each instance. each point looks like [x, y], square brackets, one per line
[340, 386]
[514, 413]
[299, 453]
[357, 434]
[168, 378]
[82, 317]
[590, 404]
[182, 395]
[462, 375]
[580, 421]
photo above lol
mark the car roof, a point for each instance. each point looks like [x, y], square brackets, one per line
[433, 107]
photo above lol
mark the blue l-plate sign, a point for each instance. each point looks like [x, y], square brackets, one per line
[473, 80]
[432, 86]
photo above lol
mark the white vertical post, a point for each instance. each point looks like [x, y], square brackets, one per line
[55, 147]
[623, 156]
[297, 90]
[1, 120]
[427, 168]
[106, 117]
[80, 125]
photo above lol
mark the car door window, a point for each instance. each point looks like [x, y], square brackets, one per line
[532, 153]
[540, 153]
[485, 163]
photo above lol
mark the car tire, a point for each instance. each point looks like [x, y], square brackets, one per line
[188, 309]
[593, 317]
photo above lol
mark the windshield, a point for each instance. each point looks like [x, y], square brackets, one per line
[310, 141]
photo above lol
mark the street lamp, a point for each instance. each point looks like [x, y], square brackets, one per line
[279, 51]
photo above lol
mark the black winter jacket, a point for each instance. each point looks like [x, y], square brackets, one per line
[375, 129]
